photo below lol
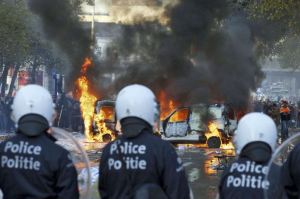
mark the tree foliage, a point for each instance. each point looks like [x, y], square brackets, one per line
[22, 44]
[285, 15]
[290, 51]
[285, 10]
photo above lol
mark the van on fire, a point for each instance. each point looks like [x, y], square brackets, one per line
[190, 124]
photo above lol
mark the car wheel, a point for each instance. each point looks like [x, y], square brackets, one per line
[214, 142]
[106, 138]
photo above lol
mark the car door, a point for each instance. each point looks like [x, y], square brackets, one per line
[232, 117]
[177, 123]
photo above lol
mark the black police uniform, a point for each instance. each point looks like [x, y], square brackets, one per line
[290, 173]
[245, 178]
[149, 160]
[36, 167]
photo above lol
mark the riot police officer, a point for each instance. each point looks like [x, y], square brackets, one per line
[32, 165]
[139, 164]
[255, 140]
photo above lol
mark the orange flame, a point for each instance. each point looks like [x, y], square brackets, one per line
[99, 119]
[213, 131]
[227, 146]
[167, 106]
[87, 102]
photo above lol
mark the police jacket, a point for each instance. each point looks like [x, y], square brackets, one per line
[290, 173]
[246, 179]
[36, 167]
[148, 159]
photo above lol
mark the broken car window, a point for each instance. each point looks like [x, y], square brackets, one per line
[216, 112]
[179, 115]
[231, 115]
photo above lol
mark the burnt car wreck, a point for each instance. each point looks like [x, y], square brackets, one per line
[187, 124]
[104, 123]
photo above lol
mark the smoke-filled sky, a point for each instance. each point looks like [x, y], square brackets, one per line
[205, 53]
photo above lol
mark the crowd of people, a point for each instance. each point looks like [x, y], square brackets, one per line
[285, 114]
[68, 113]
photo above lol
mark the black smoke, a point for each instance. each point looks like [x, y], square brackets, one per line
[206, 52]
[61, 25]
[205, 55]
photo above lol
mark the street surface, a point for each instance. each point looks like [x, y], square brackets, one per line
[203, 160]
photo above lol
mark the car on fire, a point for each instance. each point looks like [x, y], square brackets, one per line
[186, 125]
[106, 126]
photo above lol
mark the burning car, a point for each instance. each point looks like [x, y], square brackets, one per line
[104, 123]
[186, 124]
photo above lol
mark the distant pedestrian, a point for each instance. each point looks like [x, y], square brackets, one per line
[75, 117]
[285, 113]
[274, 114]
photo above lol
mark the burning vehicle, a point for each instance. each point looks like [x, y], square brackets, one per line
[104, 123]
[211, 124]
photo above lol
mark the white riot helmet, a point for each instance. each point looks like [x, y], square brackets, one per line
[137, 101]
[32, 99]
[255, 127]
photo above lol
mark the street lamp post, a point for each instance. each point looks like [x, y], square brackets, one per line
[93, 18]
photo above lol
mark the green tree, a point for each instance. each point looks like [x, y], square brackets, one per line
[14, 46]
[290, 51]
[285, 15]
[285, 10]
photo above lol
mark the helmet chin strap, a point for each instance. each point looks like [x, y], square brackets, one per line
[32, 125]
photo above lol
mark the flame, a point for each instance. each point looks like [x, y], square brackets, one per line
[99, 119]
[227, 146]
[87, 103]
[213, 128]
[180, 115]
[213, 131]
[166, 106]
[195, 145]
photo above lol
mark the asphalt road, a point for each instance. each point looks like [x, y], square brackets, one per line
[201, 168]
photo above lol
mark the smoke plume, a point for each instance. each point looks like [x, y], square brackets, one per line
[205, 55]
[62, 26]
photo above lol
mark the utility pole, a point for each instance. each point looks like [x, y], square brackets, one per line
[93, 16]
